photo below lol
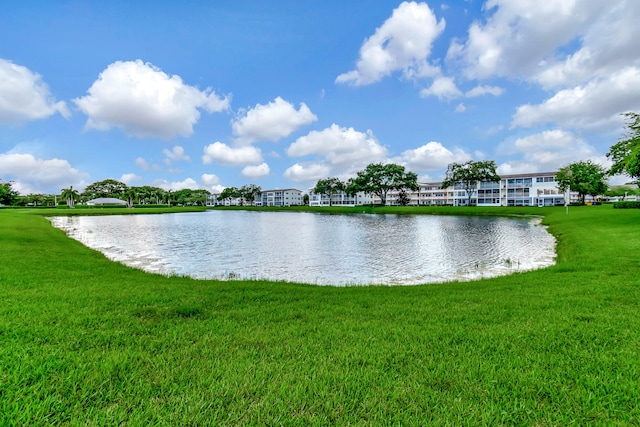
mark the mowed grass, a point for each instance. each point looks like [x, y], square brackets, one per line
[84, 341]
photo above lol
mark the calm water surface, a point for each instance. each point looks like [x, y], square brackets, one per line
[317, 248]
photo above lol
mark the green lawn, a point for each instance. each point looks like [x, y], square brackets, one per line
[84, 341]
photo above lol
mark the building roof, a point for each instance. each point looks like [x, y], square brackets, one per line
[106, 201]
[281, 189]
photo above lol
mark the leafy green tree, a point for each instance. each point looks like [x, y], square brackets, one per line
[305, 199]
[70, 195]
[328, 187]
[585, 178]
[625, 155]
[379, 179]
[469, 174]
[32, 200]
[106, 188]
[188, 196]
[147, 194]
[8, 196]
[49, 200]
[250, 192]
[230, 193]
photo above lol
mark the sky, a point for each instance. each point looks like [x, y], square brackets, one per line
[213, 94]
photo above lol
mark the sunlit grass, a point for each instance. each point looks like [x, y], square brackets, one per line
[87, 341]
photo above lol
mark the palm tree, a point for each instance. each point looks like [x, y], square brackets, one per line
[70, 195]
[129, 196]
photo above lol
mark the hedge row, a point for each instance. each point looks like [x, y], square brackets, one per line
[627, 205]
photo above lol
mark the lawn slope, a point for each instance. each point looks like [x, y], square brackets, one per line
[84, 341]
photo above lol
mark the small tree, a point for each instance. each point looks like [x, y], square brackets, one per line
[70, 195]
[379, 179]
[625, 155]
[328, 187]
[469, 174]
[585, 178]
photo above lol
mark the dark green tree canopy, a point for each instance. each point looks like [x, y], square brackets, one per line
[329, 187]
[379, 179]
[106, 188]
[8, 196]
[625, 155]
[188, 196]
[586, 178]
[469, 174]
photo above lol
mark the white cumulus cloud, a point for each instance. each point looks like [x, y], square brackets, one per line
[209, 179]
[176, 153]
[36, 175]
[222, 154]
[598, 103]
[130, 178]
[443, 88]
[402, 43]
[545, 152]
[270, 122]
[308, 173]
[344, 149]
[25, 96]
[517, 37]
[484, 90]
[433, 156]
[256, 172]
[144, 101]
[188, 183]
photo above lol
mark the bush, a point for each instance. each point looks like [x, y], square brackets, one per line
[627, 205]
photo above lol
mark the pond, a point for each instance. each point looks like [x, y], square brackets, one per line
[317, 248]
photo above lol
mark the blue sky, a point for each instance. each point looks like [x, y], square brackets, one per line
[211, 94]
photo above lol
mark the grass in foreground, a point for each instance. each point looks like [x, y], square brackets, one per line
[84, 341]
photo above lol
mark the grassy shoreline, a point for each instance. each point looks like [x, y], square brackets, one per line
[87, 341]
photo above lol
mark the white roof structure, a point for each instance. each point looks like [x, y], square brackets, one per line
[106, 201]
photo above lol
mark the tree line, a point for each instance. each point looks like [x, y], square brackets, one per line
[108, 188]
[584, 177]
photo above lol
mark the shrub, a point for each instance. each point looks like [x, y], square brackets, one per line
[627, 205]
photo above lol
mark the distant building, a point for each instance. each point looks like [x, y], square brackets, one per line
[339, 198]
[280, 197]
[106, 201]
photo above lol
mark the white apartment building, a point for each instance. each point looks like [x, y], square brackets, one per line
[282, 197]
[532, 189]
[340, 198]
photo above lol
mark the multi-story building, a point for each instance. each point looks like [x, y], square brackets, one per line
[533, 189]
[339, 198]
[281, 197]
